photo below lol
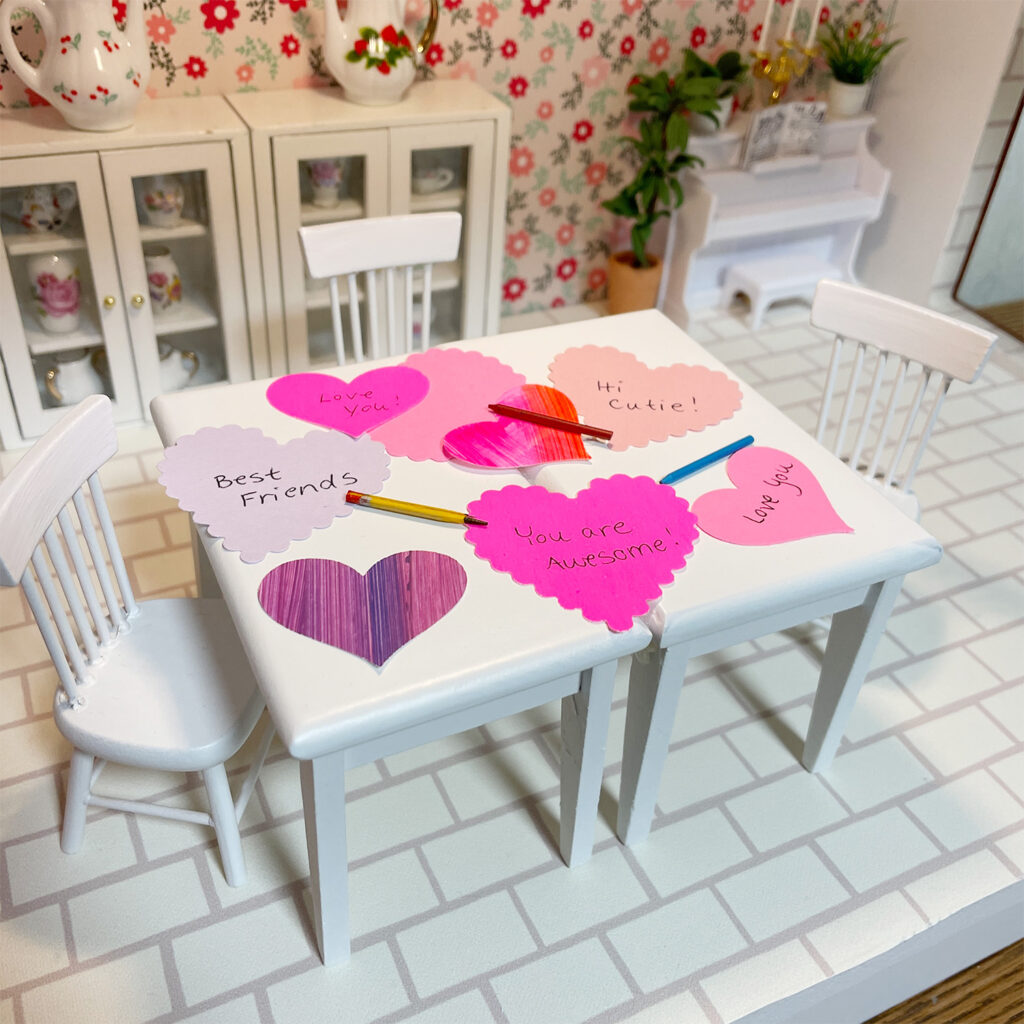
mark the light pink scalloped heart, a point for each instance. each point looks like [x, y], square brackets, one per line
[776, 499]
[608, 552]
[353, 407]
[462, 384]
[639, 403]
[259, 495]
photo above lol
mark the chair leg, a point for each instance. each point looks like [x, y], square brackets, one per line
[222, 810]
[76, 801]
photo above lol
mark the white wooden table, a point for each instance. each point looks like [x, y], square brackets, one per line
[501, 650]
[730, 593]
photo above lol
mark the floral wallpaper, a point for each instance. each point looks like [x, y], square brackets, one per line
[562, 66]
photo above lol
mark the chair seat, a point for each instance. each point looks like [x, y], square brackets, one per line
[178, 696]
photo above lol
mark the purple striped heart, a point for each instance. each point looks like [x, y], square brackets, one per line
[371, 615]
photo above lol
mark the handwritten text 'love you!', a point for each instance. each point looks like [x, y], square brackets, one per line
[607, 552]
[258, 495]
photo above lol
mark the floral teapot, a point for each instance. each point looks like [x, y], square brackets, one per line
[91, 72]
[368, 52]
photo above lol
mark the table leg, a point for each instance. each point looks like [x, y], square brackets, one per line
[655, 679]
[585, 716]
[851, 646]
[323, 804]
[206, 581]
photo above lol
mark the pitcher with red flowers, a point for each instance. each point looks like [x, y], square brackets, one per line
[369, 53]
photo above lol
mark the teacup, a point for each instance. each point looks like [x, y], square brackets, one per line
[47, 207]
[326, 178]
[433, 180]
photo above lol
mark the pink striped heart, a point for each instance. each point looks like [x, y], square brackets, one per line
[369, 615]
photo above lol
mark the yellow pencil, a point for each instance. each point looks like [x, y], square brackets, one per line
[409, 508]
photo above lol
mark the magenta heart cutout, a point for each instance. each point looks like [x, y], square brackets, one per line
[369, 615]
[776, 499]
[353, 407]
[608, 552]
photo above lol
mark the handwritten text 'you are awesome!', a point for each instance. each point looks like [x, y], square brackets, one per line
[572, 558]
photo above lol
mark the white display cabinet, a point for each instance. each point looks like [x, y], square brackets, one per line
[171, 197]
[318, 157]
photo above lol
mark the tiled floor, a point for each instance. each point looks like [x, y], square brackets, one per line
[758, 881]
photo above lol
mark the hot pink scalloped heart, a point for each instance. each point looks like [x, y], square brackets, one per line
[508, 443]
[776, 499]
[370, 615]
[608, 552]
[353, 407]
[638, 403]
[258, 495]
[462, 384]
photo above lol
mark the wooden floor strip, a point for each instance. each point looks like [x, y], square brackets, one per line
[990, 992]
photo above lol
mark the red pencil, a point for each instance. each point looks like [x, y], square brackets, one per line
[543, 420]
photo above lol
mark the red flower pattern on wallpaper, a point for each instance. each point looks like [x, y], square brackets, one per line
[562, 66]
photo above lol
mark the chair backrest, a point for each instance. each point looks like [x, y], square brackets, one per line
[380, 247]
[50, 503]
[917, 355]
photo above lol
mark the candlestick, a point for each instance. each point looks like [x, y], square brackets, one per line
[812, 31]
[792, 19]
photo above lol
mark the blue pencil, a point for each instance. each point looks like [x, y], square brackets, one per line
[708, 460]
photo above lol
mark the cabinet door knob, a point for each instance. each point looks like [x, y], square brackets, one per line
[109, 302]
[137, 300]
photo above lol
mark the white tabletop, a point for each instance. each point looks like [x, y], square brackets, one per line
[501, 637]
[725, 584]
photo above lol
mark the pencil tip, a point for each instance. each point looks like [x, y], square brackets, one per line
[473, 521]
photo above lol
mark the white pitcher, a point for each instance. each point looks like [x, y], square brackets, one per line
[74, 376]
[369, 53]
[91, 71]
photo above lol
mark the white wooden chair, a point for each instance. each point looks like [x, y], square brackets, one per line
[164, 685]
[916, 353]
[380, 247]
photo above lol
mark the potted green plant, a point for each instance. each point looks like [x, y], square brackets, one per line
[729, 72]
[854, 51]
[660, 155]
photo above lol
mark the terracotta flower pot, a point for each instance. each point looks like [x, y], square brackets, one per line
[631, 287]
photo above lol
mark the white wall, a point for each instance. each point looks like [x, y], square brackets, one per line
[932, 102]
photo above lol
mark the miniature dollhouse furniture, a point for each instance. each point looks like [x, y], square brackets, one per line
[196, 149]
[500, 650]
[444, 146]
[163, 685]
[907, 341]
[774, 226]
[731, 592]
[376, 248]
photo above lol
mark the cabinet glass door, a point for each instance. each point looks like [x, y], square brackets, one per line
[317, 179]
[64, 335]
[176, 235]
[449, 167]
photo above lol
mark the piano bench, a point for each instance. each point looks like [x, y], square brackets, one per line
[784, 277]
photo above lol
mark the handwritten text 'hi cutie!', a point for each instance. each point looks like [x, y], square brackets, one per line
[274, 492]
[650, 405]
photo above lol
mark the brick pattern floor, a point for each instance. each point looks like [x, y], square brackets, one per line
[758, 880]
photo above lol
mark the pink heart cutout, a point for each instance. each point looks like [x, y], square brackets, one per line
[352, 407]
[508, 443]
[607, 552]
[370, 615]
[259, 495]
[613, 389]
[462, 383]
[776, 499]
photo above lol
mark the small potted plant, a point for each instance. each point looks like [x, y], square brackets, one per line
[854, 51]
[660, 154]
[728, 72]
